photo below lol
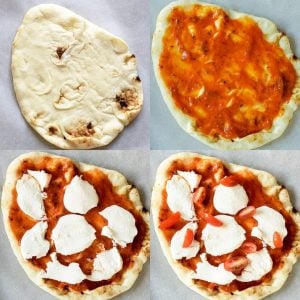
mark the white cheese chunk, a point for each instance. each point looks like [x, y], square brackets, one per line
[69, 274]
[106, 264]
[177, 251]
[207, 272]
[41, 177]
[72, 234]
[269, 221]
[33, 242]
[80, 196]
[30, 197]
[230, 199]
[121, 225]
[260, 263]
[192, 178]
[224, 239]
[180, 197]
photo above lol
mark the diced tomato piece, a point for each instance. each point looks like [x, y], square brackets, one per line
[248, 247]
[277, 240]
[199, 195]
[188, 239]
[170, 222]
[247, 212]
[236, 264]
[210, 219]
[228, 181]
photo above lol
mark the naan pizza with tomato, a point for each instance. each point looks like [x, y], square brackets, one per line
[228, 231]
[230, 79]
[79, 231]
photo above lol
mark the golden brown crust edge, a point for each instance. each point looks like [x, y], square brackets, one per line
[121, 186]
[270, 187]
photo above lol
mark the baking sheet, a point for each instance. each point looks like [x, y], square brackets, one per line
[127, 19]
[14, 283]
[284, 165]
[166, 133]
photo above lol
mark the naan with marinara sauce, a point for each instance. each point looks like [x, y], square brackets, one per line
[230, 79]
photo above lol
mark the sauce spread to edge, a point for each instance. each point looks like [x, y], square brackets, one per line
[223, 73]
[210, 171]
[63, 170]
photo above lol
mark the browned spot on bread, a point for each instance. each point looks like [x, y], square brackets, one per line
[60, 51]
[128, 58]
[128, 99]
[138, 78]
[82, 129]
[52, 130]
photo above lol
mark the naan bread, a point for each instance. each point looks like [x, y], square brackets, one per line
[254, 140]
[76, 84]
[270, 187]
[120, 187]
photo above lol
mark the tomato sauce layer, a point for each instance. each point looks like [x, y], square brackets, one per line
[223, 73]
[211, 173]
[63, 170]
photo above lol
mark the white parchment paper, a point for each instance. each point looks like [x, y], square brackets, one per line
[127, 19]
[284, 165]
[14, 283]
[166, 133]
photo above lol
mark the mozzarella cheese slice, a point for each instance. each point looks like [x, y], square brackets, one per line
[33, 242]
[230, 199]
[260, 263]
[207, 272]
[192, 178]
[177, 251]
[180, 197]
[30, 197]
[69, 274]
[106, 264]
[224, 239]
[72, 234]
[121, 225]
[41, 177]
[80, 196]
[269, 221]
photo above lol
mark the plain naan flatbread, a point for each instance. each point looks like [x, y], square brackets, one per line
[76, 84]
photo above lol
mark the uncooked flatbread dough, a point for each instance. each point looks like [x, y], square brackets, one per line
[76, 84]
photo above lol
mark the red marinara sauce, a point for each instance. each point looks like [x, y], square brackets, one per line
[212, 172]
[60, 169]
[223, 73]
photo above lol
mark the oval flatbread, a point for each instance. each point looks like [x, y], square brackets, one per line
[229, 79]
[227, 231]
[77, 85]
[90, 237]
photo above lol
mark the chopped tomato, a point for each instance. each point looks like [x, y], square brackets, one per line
[210, 219]
[277, 240]
[236, 264]
[248, 247]
[247, 212]
[171, 221]
[228, 181]
[199, 195]
[188, 239]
